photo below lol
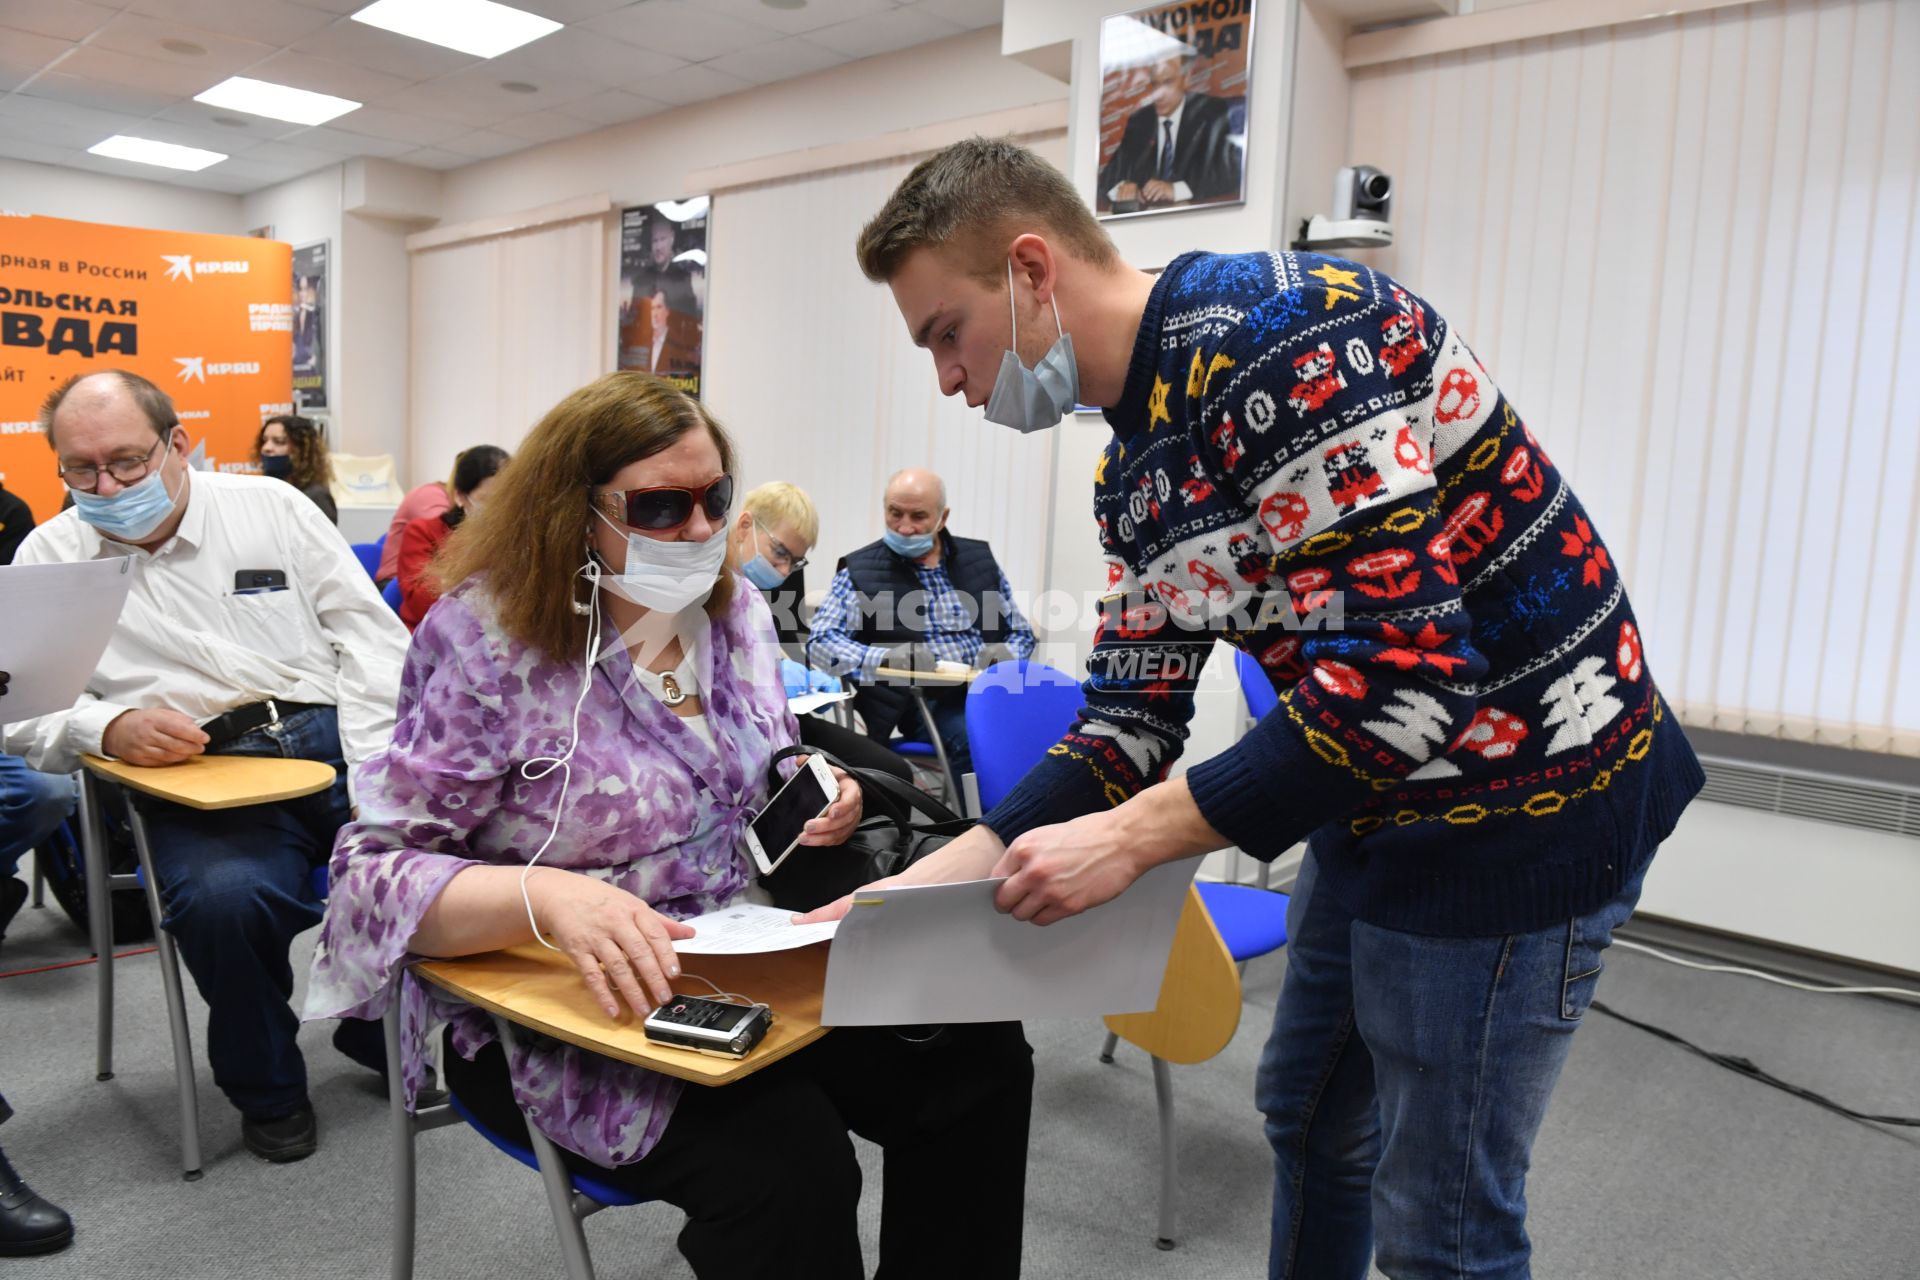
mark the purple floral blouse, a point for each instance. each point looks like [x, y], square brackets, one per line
[650, 808]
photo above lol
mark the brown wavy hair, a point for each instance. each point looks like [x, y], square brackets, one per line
[306, 450]
[530, 541]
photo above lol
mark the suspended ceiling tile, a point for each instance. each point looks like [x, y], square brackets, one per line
[690, 84]
[579, 52]
[55, 86]
[434, 158]
[782, 60]
[545, 126]
[399, 56]
[809, 17]
[330, 137]
[397, 126]
[61, 19]
[323, 75]
[124, 69]
[685, 30]
[148, 38]
[615, 106]
[884, 33]
[970, 14]
[273, 22]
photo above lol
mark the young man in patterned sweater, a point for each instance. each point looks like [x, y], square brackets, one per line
[1308, 462]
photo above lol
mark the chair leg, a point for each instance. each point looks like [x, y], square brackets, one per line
[1106, 1050]
[39, 877]
[401, 1126]
[553, 1174]
[1169, 1155]
[176, 1006]
[93, 856]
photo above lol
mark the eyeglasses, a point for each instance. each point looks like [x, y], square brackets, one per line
[126, 470]
[781, 555]
[658, 510]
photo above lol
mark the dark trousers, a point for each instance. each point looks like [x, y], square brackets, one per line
[853, 747]
[235, 884]
[949, 708]
[766, 1173]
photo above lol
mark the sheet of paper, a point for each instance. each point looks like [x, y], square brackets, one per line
[746, 928]
[808, 703]
[941, 953]
[59, 619]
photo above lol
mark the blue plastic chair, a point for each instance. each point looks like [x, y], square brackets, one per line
[1255, 686]
[369, 554]
[391, 594]
[1016, 711]
[571, 1197]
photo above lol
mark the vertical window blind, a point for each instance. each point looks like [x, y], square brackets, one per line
[1686, 249]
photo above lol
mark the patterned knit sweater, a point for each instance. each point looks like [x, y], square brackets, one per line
[1310, 464]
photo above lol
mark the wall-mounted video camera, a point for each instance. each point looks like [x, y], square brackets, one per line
[1362, 202]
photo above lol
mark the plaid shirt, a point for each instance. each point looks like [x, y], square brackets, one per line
[949, 633]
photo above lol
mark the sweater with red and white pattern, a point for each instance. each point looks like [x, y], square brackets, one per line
[1309, 463]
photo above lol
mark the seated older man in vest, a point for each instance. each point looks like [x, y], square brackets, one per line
[917, 595]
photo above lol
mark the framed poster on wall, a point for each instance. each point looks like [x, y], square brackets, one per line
[663, 289]
[310, 327]
[1173, 107]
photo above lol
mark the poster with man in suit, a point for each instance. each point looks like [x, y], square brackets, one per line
[1173, 107]
[663, 289]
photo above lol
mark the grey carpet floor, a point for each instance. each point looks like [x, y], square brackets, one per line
[1652, 1162]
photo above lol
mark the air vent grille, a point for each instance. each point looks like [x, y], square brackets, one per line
[1874, 806]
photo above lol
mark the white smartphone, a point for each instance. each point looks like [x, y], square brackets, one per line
[776, 831]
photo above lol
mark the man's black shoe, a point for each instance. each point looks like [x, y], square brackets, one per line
[13, 896]
[28, 1224]
[284, 1140]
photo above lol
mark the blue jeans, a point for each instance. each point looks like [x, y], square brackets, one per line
[1404, 1083]
[236, 887]
[31, 806]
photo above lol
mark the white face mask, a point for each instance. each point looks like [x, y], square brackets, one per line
[667, 576]
[1034, 399]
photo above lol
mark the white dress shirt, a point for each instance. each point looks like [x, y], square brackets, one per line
[187, 641]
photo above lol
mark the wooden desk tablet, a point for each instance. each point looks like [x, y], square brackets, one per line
[931, 679]
[541, 990]
[219, 782]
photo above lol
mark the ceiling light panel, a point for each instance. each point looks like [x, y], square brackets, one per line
[477, 27]
[146, 151]
[276, 101]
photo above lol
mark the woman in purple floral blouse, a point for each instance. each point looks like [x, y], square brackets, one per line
[602, 548]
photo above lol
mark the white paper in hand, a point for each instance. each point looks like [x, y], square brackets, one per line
[747, 928]
[941, 953]
[59, 619]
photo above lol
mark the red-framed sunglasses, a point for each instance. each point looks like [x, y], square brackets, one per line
[657, 510]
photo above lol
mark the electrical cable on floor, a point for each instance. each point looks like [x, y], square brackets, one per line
[1748, 1068]
[69, 964]
[1766, 977]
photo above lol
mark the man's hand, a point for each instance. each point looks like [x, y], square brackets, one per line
[916, 656]
[1126, 191]
[616, 941]
[158, 735]
[1157, 192]
[966, 857]
[842, 816]
[992, 653]
[1059, 871]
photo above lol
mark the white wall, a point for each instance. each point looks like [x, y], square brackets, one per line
[646, 161]
[54, 192]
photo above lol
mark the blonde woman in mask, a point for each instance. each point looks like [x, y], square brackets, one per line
[584, 728]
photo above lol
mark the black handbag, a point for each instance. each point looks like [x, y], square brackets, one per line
[901, 825]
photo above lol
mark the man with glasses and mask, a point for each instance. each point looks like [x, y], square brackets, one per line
[250, 630]
[1308, 463]
[917, 596]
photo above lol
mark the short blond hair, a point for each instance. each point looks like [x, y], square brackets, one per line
[972, 199]
[777, 502]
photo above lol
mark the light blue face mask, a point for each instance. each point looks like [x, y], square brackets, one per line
[131, 514]
[759, 570]
[1034, 399]
[911, 546]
